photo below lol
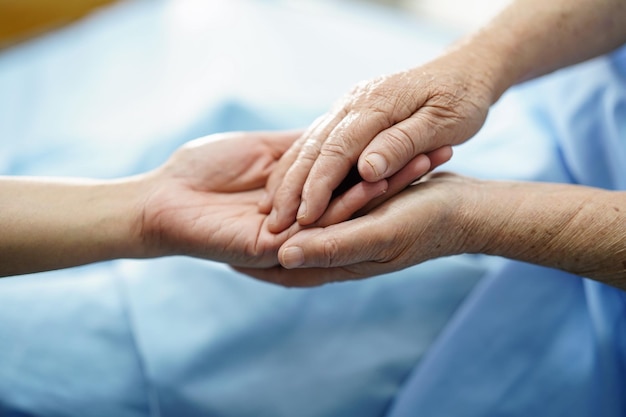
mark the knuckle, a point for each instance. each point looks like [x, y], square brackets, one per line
[334, 149]
[368, 91]
[393, 94]
[378, 118]
[448, 97]
[360, 88]
[440, 126]
[346, 141]
[310, 149]
[408, 101]
[330, 250]
[400, 144]
[349, 138]
[286, 199]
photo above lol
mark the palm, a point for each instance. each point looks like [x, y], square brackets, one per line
[220, 226]
[205, 199]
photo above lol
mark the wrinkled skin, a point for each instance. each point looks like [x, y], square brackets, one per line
[203, 201]
[426, 221]
[400, 117]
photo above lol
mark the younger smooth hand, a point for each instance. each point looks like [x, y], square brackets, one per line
[203, 201]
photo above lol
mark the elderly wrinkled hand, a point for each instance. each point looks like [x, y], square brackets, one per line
[418, 224]
[385, 126]
[570, 227]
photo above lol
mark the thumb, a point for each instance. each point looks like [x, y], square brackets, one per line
[333, 246]
[394, 147]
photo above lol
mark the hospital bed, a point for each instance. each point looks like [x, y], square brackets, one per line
[115, 93]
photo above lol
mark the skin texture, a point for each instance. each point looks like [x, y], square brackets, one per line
[399, 117]
[384, 124]
[202, 202]
[574, 228]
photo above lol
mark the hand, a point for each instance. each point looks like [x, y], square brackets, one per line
[385, 126]
[573, 228]
[425, 221]
[203, 201]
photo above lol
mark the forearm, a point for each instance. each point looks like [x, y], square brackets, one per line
[573, 228]
[534, 37]
[51, 224]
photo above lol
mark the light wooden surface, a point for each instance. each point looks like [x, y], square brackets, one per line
[22, 19]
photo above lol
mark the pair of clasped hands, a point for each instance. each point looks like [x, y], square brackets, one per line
[287, 207]
[284, 207]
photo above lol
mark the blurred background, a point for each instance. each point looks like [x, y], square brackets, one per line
[117, 91]
[23, 19]
[460, 15]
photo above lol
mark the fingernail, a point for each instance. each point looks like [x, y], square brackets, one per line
[301, 210]
[293, 257]
[378, 164]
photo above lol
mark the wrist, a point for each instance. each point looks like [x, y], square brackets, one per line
[569, 227]
[59, 223]
[120, 204]
[461, 218]
[493, 218]
[489, 61]
[153, 210]
[472, 217]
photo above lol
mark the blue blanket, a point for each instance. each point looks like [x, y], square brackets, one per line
[116, 93]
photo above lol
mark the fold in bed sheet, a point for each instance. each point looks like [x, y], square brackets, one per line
[116, 93]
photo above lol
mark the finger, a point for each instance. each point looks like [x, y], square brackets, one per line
[393, 148]
[345, 205]
[285, 162]
[336, 156]
[417, 168]
[414, 170]
[440, 156]
[278, 173]
[282, 144]
[276, 177]
[337, 245]
[286, 197]
[256, 158]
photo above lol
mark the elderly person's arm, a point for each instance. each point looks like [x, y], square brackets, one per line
[574, 228]
[391, 121]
